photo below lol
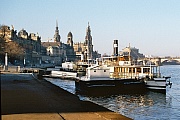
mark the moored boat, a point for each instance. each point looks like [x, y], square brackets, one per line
[98, 81]
[69, 70]
[121, 67]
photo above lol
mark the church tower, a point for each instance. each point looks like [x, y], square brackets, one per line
[88, 42]
[70, 39]
[88, 37]
[56, 35]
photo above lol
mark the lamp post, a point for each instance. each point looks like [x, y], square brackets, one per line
[40, 61]
[31, 53]
[24, 61]
[6, 62]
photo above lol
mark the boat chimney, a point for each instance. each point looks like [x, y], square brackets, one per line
[115, 47]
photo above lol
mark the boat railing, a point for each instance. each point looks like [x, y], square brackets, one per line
[156, 75]
[124, 75]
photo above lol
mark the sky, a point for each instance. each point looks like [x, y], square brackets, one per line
[152, 26]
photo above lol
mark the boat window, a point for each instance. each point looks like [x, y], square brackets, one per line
[139, 70]
[104, 70]
[94, 70]
[122, 70]
[133, 70]
[145, 70]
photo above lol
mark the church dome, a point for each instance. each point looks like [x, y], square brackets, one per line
[69, 34]
[22, 33]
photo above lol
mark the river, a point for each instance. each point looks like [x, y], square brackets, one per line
[149, 106]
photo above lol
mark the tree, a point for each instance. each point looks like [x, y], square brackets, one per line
[13, 49]
[3, 29]
[2, 45]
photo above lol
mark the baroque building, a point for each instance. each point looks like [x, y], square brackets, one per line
[80, 51]
[134, 53]
[30, 42]
[57, 52]
[84, 50]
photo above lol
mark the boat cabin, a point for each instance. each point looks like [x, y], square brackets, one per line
[121, 67]
[98, 72]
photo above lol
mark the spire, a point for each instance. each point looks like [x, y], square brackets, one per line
[88, 37]
[88, 42]
[88, 30]
[56, 23]
[57, 37]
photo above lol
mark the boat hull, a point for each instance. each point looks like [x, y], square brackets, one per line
[157, 85]
[106, 87]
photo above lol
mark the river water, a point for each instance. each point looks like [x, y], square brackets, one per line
[152, 105]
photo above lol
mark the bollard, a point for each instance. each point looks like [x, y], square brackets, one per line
[40, 74]
[18, 69]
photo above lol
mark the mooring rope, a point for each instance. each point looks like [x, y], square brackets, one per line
[173, 97]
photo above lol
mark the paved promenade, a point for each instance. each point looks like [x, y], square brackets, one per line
[26, 98]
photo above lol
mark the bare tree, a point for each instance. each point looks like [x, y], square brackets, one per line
[2, 44]
[14, 50]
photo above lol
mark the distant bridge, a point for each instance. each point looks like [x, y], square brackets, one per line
[160, 60]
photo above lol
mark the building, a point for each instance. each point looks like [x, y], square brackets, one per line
[84, 50]
[80, 51]
[134, 53]
[30, 42]
[57, 52]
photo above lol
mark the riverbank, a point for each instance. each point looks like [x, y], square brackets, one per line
[24, 97]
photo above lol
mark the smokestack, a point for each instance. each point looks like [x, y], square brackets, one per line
[115, 46]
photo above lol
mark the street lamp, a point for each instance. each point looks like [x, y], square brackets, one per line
[24, 61]
[6, 62]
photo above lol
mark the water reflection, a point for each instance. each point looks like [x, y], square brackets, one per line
[135, 106]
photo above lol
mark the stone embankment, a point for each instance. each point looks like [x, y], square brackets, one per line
[25, 98]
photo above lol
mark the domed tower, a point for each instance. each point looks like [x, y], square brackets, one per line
[23, 34]
[57, 37]
[70, 39]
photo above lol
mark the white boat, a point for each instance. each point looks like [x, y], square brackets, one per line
[63, 74]
[67, 71]
[97, 80]
[154, 81]
[122, 68]
[96, 72]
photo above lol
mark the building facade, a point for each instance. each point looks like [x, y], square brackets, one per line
[30, 42]
[84, 50]
[134, 53]
[57, 52]
[70, 51]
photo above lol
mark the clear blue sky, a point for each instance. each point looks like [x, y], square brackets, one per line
[152, 26]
